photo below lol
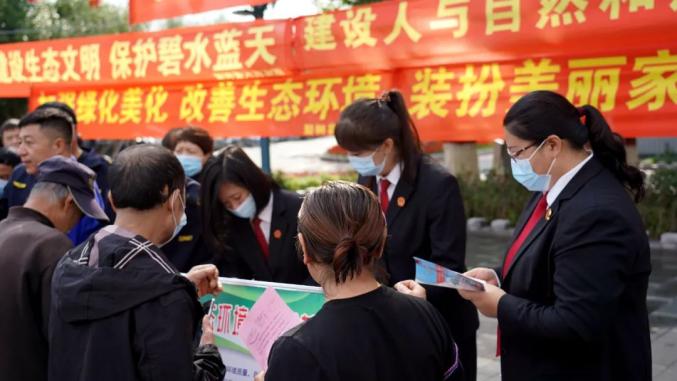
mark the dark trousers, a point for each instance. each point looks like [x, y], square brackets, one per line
[467, 353]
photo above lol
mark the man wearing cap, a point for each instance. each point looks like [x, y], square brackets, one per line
[45, 133]
[32, 240]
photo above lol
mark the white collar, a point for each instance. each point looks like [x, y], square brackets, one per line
[266, 214]
[394, 176]
[562, 182]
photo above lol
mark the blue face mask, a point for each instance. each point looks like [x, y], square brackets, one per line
[183, 221]
[365, 166]
[247, 208]
[192, 165]
[3, 184]
[524, 173]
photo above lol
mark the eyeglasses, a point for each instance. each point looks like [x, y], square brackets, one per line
[515, 155]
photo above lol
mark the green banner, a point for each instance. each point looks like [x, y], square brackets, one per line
[230, 309]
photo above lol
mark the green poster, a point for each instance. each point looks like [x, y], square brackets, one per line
[230, 309]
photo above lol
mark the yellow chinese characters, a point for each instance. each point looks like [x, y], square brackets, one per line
[120, 60]
[321, 96]
[155, 99]
[197, 54]
[90, 62]
[361, 86]
[287, 103]
[561, 12]
[532, 76]
[68, 57]
[431, 93]
[221, 102]
[227, 46]
[452, 14]
[402, 24]
[193, 100]
[86, 107]
[479, 93]
[260, 45]
[144, 52]
[317, 32]
[595, 81]
[613, 7]
[357, 27]
[250, 100]
[503, 16]
[170, 55]
[659, 80]
[131, 105]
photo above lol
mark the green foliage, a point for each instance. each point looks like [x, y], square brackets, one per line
[496, 197]
[659, 207]
[296, 183]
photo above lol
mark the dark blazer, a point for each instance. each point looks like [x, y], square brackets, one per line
[426, 219]
[576, 302]
[243, 257]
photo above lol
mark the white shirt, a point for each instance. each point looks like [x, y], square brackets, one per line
[266, 217]
[559, 186]
[393, 177]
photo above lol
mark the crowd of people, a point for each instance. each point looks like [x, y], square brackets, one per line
[104, 261]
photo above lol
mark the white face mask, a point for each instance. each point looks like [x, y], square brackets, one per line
[247, 209]
[524, 173]
[178, 225]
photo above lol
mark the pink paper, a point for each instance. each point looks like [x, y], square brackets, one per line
[267, 320]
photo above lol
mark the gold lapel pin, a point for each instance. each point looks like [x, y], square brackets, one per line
[548, 214]
[277, 234]
[401, 201]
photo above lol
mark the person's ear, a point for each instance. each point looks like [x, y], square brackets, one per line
[110, 201]
[388, 145]
[554, 145]
[60, 145]
[306, 258]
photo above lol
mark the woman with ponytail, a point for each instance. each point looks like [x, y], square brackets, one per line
[420, 199]
[365, 331]
[572, 298]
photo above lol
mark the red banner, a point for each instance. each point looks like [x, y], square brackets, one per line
[249, 50]
[141, 11]
[460, 63]
[451, 103]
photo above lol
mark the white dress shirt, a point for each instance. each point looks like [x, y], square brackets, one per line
[266, 217]
[562, 182]
[393, 177]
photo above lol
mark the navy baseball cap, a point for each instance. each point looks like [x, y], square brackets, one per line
[79, 180]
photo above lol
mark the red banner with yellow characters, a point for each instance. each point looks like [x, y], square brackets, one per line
[244, 50]
[460, 63]
[148, 10]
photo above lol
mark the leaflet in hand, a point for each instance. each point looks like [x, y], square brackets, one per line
[436, 275]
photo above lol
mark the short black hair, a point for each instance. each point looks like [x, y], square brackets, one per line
[53, 119]
[198, 136]
[60, 106]
[170, 139]
[143, 176]
[8, 157]
[8, 125]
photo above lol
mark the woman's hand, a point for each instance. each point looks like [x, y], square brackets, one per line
[260, 376]
[207, 331]
[486, 301]
[409, 287]
[485, 274]
[206, 279]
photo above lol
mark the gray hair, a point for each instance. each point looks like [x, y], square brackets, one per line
[53, 192]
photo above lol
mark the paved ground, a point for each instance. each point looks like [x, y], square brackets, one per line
[485, 249]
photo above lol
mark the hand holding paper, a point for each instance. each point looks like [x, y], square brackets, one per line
[435, 275]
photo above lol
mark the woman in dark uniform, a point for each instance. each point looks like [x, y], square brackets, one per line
[420, 199]
[572, 302]
[250, 221]
[365, 331]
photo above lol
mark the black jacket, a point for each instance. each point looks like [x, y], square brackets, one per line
[426, 219]
[121, 312]
[99, 164]
[243, 257]
[576, 302]
[30, 248]
[189, 248]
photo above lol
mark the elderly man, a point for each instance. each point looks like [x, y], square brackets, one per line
[121, 310]
[32, 240]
